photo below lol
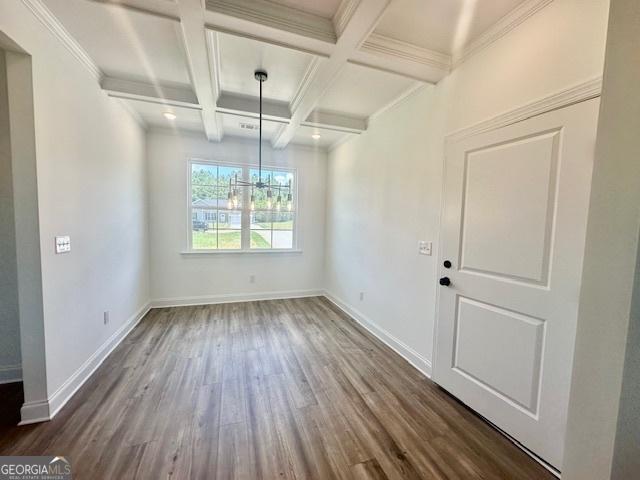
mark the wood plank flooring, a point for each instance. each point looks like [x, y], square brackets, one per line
[285, 389]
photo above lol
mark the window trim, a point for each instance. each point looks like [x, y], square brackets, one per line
[245, 223]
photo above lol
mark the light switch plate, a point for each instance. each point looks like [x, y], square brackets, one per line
[63, 244]
[424, 248]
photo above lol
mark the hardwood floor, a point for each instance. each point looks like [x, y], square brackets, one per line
[266, 390]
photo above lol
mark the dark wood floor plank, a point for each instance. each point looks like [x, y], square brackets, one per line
[286, 389]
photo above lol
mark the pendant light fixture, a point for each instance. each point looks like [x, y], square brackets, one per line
[269, 185]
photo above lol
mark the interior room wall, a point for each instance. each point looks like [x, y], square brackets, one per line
[10, 360]
[91, 185]
[560, 46]
[177, 278]
[603, 432]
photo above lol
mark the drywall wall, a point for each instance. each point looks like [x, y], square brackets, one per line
[91, 185]
[383, 197]
[10, 360]
[177, 278]
[388, 180]
[603, 426]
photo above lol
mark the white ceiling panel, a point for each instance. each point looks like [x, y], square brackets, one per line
[441, 25]
[125, 43]
[327, 137]
[360, 91]
[152, 114]
[240, 57]
[323, 8]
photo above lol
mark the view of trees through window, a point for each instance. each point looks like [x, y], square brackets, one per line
[215, 226]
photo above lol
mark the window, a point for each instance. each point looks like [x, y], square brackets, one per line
[215, 226]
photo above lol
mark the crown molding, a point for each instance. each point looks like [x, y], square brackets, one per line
[343, 15]
[570, 96]
[499, 29]
[400, 98]
[386, 46]
[276, 16]
[134, 114]
[42, 13]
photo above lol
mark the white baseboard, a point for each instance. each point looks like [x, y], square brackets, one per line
[422, 364]
[10, 373]
[233, 297]
[44, 410]
[34, 412]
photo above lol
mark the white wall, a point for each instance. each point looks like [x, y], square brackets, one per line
[397, 164]
[10, 360]
[383, 197]
[603, 432]
[91, 181]
[177, 278]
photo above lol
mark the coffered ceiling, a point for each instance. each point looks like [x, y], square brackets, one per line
[332, 64]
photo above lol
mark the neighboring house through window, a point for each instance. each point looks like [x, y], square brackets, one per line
[214, 226]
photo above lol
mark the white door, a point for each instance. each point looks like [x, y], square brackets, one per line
[514, 224]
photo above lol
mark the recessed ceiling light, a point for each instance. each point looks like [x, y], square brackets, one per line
[316, 136]
[169, 115]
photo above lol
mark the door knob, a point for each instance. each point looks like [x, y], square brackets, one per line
[445, 281]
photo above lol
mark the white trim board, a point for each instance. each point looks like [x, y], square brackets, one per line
[10, 373]
[578, 93]
[499, 29]
[49, 20]
[420, 363]
[43, 410]
[233, 298]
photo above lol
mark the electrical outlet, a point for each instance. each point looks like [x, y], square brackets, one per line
[424, 247]
[361, 296]
[252, 279]
[105, 318]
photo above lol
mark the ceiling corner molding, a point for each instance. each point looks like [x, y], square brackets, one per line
[134, 114]
[564, 98]
[276, 16]
[399, 99]
[49, 20]
[499, 29]
[308, 76]
[344, 13]
[386, 46]
[339, 142]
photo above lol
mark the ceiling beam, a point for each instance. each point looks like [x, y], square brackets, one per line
[271, 23]
[198, 61]
[335, 121]
[131, 90]
[248, 106]
[394, 56]
[361, 23]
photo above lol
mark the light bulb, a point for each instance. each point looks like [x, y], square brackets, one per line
[289, 202]
[278, 203]
[269, 199]
[253, 202]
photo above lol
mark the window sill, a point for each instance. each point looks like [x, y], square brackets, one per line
[240, 252]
